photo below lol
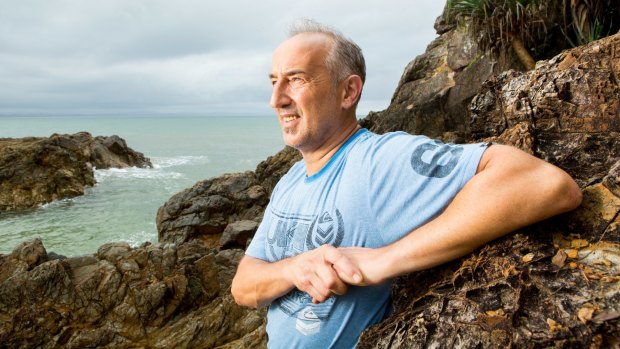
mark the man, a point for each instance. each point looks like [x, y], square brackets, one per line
[361, 208]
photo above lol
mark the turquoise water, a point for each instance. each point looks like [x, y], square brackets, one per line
[123, 203]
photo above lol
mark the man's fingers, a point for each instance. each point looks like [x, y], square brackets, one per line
[318, 282]
[346, 269]
[329, 279]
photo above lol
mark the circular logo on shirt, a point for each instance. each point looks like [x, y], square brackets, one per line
[435, 159]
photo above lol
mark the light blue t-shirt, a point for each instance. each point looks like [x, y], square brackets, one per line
[373, 191]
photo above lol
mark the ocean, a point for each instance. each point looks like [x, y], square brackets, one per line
[123, 204]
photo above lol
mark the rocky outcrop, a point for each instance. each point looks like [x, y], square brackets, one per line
[34, 171]
[433, 94]
[154, 296]
[555, 284]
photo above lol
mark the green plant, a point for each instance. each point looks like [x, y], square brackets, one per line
[588, 20]
[505, 23]
[523, 24]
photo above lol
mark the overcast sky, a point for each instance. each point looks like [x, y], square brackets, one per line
[185, 56]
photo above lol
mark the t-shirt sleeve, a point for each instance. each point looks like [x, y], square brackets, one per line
[256, 248]
[413, 178]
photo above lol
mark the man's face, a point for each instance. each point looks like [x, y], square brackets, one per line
[304, 97]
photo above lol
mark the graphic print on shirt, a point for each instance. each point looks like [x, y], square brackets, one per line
[293, 234]
[436, 159]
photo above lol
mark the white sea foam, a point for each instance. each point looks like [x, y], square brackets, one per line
[165, 162]
[136, 172]
[138, 238]
[56, 203]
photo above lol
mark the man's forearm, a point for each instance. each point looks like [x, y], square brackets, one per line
[257, 283]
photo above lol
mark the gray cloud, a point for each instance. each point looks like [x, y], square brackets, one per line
[186, 56]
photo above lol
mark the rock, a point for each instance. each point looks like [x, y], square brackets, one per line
[237, 233]
[205, 210]
[34, 171]
[433, 95]
[113, 151]
[159, 296]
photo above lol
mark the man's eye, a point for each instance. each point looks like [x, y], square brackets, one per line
[297, 80]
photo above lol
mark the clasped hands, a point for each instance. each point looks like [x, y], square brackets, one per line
[328, 270]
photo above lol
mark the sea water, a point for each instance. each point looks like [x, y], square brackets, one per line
[123, 204]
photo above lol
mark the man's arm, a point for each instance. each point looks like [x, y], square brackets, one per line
[511, 189]
[257, 283]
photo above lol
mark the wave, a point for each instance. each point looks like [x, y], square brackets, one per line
[165, 162]
[136, 172]
[138, 238]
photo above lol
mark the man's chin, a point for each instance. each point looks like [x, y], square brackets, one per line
[291, 140]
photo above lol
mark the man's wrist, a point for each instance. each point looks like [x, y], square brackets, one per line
[393, 263]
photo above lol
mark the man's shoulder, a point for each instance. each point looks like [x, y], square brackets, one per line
[390, 142]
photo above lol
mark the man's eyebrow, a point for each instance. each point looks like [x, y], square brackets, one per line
[288, 73]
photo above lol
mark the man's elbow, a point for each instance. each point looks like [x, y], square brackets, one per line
[576, 196]
[567, 194]
[242, 298]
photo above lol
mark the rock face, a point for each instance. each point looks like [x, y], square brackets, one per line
[34, 171]
[155, 296]
[433, 94]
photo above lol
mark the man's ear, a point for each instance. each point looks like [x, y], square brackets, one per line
[352, 90]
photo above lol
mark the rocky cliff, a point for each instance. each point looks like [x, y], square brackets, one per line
[554, 284]
[34, 171]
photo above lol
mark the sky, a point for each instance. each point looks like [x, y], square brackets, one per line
[196, 57]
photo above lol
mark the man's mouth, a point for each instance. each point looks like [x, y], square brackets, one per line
[290, 118]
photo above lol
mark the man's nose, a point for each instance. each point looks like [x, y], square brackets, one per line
[279, 95]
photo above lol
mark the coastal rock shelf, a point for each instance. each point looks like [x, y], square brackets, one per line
[34, 171]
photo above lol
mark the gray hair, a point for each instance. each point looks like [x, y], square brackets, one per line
[345, 57]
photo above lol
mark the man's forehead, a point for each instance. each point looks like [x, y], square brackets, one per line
[301, 52]
[308, 39]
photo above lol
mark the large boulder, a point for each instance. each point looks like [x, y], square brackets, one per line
[432, 97]
[34, 171]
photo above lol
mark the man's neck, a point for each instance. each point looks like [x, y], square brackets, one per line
[315, 161]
